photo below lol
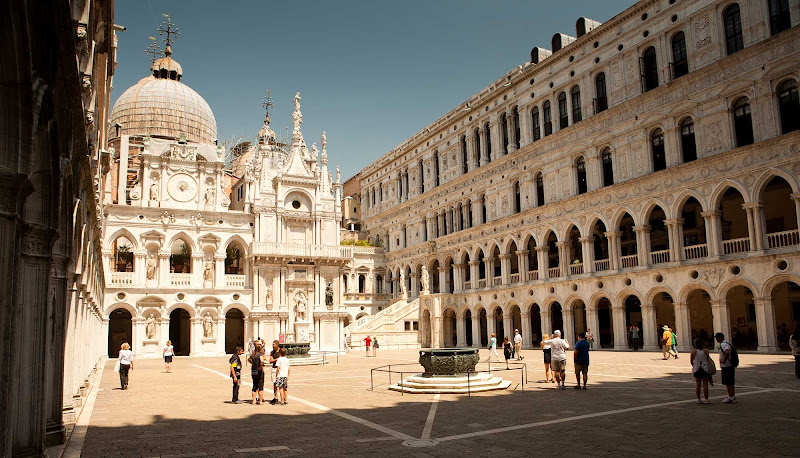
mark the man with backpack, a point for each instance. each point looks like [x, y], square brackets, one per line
[728, 361]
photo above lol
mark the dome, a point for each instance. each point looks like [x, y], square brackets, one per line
[162, 106]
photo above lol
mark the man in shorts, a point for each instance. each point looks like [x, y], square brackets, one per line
[581, 360]
[727, 368]
[273, 359]
[559, 349]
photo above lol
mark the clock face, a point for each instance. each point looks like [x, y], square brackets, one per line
[182, 187]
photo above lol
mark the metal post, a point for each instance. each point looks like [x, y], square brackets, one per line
[371, 386]
[469, 389]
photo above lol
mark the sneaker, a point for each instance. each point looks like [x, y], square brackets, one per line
[273, 402]
[237, 402]
[563, 387]
[706, 401]
[728, 400]
[699, 401]
[577, 387]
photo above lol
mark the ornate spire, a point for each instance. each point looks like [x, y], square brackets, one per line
[267, 104]
[297, 119]
[324, 155]
[153, 51]
[171, 31]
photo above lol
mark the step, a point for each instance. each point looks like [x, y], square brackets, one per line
[307, 361]
[460, 378]
[494, 381]
[502, 385]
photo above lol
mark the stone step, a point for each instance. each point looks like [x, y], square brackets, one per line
[461, 378]
[452, 384]
[307, 361]
[500, 384]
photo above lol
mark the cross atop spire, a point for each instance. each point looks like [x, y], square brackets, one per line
[168, 28]
[154, 51]
[267, 104]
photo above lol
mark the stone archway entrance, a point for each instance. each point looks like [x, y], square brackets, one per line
[468, 328]
[180, 331]
[234, 330]
[557, 318]
[120, 330]
[536, 325]
[605, 331]
[450, 330]
[633, 317]
[484, 329]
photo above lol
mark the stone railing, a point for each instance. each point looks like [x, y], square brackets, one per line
[180, 279]
[732, 246]
[482, 283]
[659, 257]
[497, 281]
[695, 251]
[533, 275]
[390, 314]
[782, 239]
[630, 261]
[576, 269]
[554, 272]
[122, 278]
[366, 249]
[602, 264]
[514, 278]
[301, 250]
[467, 285]
[232, 280]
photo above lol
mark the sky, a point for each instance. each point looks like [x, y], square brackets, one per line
[371, 73]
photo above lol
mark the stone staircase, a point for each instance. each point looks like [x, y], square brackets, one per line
[388, 325]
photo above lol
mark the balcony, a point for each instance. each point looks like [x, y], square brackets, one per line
[783, 239]
[733, 246]
[659, 257]
[297, 250]
[482, 283]
[467, 285]
[122, 278]
[497, 281]
[602, 264]
[533, 275]
[234, 281]
[180, 279]
[695, 251]
[554, 272]
[630, 261]
[514, 278]
[576, 268]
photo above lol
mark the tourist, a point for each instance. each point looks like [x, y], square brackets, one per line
[368, 343]
[794, 343]
[699, 360]
[507, 350]
[590, 338]
[375, 346]
[273, 373]
[518, 344]
[236, 374]
[559, 349]
[493, 348]
[257, 371]
[168, 352]
[283, 377]
[666, 343]
[728, 360]
[634, 331]
[548, 356]
[581, 360]
[345, 345]
[674, 343]
[125, 364]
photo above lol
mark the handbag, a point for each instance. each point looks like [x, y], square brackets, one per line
[712, 367]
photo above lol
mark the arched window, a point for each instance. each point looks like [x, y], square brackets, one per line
[469, 215]
[601, 98]
[362, 283]
[742, 121]
[657, 147]
[580, 171]
[421, 167]
[483, 208]
[436, 167]
[608, 167]
[680, 61]
[548, 120]
[515, 119]
[539, 189]
[379, 284]
[234, 262]
[464, 159]
[563, 113]
[122, 251]
[478, 147]
[488, 130]
[649, 69]
[577, 116]
[537, 134]
[733, 29]
[688, 144]
[517, 198]
[504, 134]
[779, 19]
[789, 106]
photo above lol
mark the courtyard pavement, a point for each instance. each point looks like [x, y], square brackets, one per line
[636, 404]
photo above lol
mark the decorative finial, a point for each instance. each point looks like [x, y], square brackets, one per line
[267, 104]
[168, 28]
[154, 51]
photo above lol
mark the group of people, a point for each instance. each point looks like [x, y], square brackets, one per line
[371, 343]
[554, 351]
[703, 368]
[278, 367]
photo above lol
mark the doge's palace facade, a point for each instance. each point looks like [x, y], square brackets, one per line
[642, 172]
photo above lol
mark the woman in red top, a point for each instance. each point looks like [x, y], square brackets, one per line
[368, 341]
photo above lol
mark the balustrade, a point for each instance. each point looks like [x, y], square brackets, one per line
[514, 278]
[736, 245]
[122, 278]
[497, 281]
[576, 268]
[630, 261]
[602, 264]
[554, 272]
[234, 280]
[782, 239]
[467, 285]
[180, 279]
[694, 252]
[302, 250]
[482, 283]
[533, 275]
[659, 257]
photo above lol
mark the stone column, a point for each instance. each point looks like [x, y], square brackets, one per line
[474, 271]
[541, 253]
[508, 326]
[461, 333]
[593, 323]
[713, 225]
[547, 321]
[484, 146]
[522, 262]
[642, 244]
[620, 330]
[675, 237]
[563, 258]
[505, 268]
[751, 228]
[414, 284]
[527, 333]
[569, 324]
[720, 317]
[525, 130]
[796, 198]
[458, 281]
[443, 286]
[587, 247]
[614, 249]
[758, 232]
[490, 325]
[649, 327]
[765, 322]
[511, 129]
[476, 330]
[683, 327]
[472, 155]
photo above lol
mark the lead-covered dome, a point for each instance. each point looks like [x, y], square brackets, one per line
[160, 105]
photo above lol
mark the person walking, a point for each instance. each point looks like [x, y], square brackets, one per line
[581, 360]
[506, 350]
[635, 337]
[559, 349]
[549, 376]
[368, 343]
[257, 372]
[590, 338]
[728, 360]
[794, 343]
[283, 377]
[666, 343]
[375, 346]
[168, 352]
[674, 343]
[125, 364]
[273, 372]
[236, 374]
[518, 344]
[700, 362]
[346, 346]
[493, 348]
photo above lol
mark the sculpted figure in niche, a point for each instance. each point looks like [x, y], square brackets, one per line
[151, 267]
[403, 288]
[268, 297]
[150, 326]
[209, 196]
[301, 304]
[208, 326]
[329, 295]
[424, 279]
[208, 272]
[154, 191]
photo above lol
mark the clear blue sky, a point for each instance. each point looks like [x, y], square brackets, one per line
[371, 73]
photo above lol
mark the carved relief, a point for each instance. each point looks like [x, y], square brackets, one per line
[702, 31]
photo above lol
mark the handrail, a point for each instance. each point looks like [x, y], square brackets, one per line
[629, 261]
[387, 368]
[740, 245]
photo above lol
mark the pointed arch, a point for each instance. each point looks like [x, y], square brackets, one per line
[123, 232]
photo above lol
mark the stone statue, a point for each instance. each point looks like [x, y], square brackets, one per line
[338, 175]
[208, 272]
[314, 151]
[403, 288]
[301, 304]
[324, 141]
[424, 279]
[209, 196]
[208, 326]
[329, 295]
[297, 116]
[297, 101]
[268, 296]
[151, 267]
[154, 191]
[150, 326]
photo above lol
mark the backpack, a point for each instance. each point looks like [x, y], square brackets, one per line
[734, 356]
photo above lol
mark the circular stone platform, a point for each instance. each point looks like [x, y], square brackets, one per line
[298, 354]
[450, 370]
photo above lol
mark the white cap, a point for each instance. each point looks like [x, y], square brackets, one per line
[557, 332]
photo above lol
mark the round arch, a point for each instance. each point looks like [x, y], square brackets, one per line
[120, 305]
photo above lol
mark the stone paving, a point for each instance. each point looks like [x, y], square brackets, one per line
[636, 403]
